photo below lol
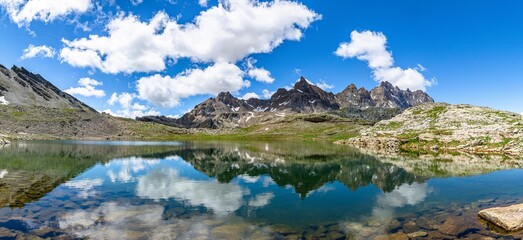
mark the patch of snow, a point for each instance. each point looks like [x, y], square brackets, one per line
[280, 114]
[299, 90]
[249, 117]
[3, 101]
[3, 172]
[259, 109]
[312, 101]
[236, 109]
[390, 103]
[284, 103]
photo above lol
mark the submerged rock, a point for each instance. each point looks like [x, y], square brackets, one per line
[418, 234]
[394, 236]
[509, 218]
[454, 226]
[231, 231]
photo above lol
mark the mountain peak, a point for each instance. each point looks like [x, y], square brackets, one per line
[302, 83]
[386, 84]
[350, 89]
[224, 96]
[305, 97]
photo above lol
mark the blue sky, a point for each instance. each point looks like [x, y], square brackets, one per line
[459, 51]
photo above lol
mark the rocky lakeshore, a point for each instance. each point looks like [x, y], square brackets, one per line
[437, 222]
[437, 127]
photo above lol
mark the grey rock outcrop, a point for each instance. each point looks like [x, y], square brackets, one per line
[20, 87]
[385, 95]
[441, 126]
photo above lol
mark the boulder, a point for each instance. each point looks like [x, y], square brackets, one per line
[509, 218]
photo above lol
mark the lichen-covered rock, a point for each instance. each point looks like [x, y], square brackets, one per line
[509, 218]
[441, 126]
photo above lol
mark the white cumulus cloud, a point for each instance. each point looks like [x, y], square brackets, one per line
[136, 2]
[167, 91]
[372, 47]
[87, 88]
[228, 32]
[128, 109]
[250, 95]
[261, 75]
[202, 3]
[258, 74]
[267, 94]
[43, 51]
[23, 12]
[324, 85]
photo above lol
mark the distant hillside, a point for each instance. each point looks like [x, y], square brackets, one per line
[382, 102]
[441, 126]
[33, 108]
[20, 87]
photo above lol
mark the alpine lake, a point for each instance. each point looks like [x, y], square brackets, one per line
[247, 190]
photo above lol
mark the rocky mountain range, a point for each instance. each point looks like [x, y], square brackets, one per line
[228, 111]
[22, 88]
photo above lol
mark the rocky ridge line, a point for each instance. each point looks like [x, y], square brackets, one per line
[19, 87]
[227, 111]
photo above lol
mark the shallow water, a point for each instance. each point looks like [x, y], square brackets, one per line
[253, 190]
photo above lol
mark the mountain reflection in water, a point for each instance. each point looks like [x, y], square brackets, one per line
[227, 190]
